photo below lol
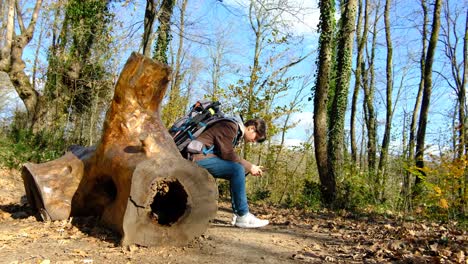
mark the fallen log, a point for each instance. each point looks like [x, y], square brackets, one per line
[135, 180]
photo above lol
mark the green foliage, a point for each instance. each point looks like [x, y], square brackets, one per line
[354, 193]
[87, 20]
[260, 194]
[283, 182]
[174, 109]
[20, 146]
[76, 61]
[78, 80]
[223, 189]
[311, 195]
[441, 192]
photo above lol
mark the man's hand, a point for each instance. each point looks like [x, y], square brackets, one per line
[256, 170]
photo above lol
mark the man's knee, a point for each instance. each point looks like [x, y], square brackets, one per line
[238, 169]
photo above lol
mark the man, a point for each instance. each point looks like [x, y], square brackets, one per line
[224, 163]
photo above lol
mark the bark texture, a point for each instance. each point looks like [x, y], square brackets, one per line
[322, 88]
[164, 30]
[134, 179]
[150, 15]
[337, 117]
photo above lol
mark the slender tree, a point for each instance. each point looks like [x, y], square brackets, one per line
[320, 94]
[361, 39]
[465, 127]
[407, 183]
[425, 104]
[257, 15]
[369, 108]
[417, 105]
[150, 15]
[389, 110]
[452, 40]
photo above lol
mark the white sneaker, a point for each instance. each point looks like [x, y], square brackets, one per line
[234, 218]
[249, 221]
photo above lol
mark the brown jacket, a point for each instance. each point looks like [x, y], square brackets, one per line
[222, 135]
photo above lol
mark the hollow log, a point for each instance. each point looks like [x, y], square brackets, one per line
[134, 179]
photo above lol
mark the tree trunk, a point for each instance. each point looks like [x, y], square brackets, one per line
[150, 15]
[461, 83]
[164, 30]
[406, 190]
[255, 18]
[421, 135]
[360, 40]
[337, 118]
[457, 80]
[135, 180]
[389, 113]
[463, 111]
[371, 123]
[370, 117]
[322, 87]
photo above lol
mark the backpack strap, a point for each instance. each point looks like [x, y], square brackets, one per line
[240, 133]
[207, 151]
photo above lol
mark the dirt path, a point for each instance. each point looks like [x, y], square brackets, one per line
[293, 237]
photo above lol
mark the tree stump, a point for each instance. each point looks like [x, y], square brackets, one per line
[135, 179]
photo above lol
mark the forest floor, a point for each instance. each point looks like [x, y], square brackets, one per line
[293, 236]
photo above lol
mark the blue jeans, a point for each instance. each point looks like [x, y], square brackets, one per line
[235, 173]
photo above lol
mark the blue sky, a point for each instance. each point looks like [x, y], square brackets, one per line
[206, 18]
[229, 16]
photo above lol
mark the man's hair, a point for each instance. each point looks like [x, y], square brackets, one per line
[260, 128]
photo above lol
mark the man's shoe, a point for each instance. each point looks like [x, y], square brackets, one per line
[250, 221]
[234, 218]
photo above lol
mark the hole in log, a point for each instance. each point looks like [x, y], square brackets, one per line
[169, 203]
[107, 188]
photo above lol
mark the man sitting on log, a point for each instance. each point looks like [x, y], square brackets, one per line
[223, 162]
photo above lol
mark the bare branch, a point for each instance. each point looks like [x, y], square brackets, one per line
[32, 24]
[19, 15]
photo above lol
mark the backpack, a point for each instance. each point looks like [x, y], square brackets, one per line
[201, 116]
